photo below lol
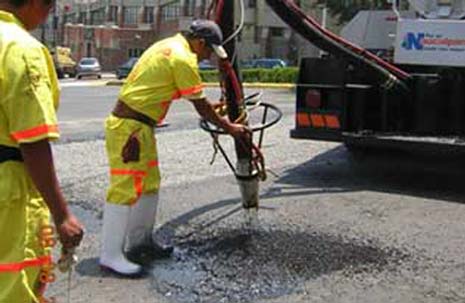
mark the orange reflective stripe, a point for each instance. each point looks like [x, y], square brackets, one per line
[34, 132]
[332, 121]
[138, 185]
[152, 163]
[188, 91]
[15, 267]
[191, 90]
[176, 95]
[303, 119]
[138, 176]
[317, 120]
[116, 171]
[164, 105]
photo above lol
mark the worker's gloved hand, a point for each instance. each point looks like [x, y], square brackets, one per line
[131, 150]
[70, 232]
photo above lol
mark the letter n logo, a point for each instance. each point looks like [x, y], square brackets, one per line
[413, 41]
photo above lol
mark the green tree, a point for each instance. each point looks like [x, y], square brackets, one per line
[345, 10]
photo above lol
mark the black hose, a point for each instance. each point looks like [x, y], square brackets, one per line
[310, 30]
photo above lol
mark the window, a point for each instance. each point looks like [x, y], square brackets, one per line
[170, 12]
[97, 17]
[82, 17]
[252, 3]
[148, 14]
[113, 13]
[189, 7]
[71, 18]
[135, 52]
[276, 31]
[130, 14]
[88, 61]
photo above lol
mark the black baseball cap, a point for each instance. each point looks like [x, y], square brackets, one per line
[211, 32]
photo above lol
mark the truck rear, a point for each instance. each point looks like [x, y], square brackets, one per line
[339, 99]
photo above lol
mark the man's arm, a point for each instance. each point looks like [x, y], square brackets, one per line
[205, 109]
[38, 161]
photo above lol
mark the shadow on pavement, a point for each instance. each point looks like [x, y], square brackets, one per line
[338, 171]
[89, 267]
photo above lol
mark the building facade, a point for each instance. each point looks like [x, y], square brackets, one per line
[115, 30]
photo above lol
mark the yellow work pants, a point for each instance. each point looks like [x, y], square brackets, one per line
[22, 255]
[128, 181]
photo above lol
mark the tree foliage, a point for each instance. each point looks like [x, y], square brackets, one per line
[345, 10]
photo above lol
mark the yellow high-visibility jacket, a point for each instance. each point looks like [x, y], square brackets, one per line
[29, 96]
[168, 70]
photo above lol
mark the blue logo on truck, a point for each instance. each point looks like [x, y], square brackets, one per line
[413, 41]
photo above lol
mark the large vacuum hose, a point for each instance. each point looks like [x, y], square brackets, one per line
[387, 74]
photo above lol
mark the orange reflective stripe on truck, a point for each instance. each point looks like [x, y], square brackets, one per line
[332, 121]
[303, 119]
[317, 120]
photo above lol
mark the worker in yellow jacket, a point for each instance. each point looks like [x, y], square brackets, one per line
[29, 189]
[168, 70]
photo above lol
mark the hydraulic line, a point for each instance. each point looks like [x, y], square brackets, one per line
[387, 74]
[219, 11]
[228, 69]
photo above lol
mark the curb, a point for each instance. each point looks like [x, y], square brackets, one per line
[114, 83]
[213, 84]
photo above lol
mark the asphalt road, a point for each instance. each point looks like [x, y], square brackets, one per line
[331, 227]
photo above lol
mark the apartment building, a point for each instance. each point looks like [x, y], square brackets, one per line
[115, 30]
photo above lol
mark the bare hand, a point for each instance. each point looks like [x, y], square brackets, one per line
[70, 232]
[239, 132]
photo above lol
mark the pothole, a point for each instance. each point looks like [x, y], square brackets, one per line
[235, 265]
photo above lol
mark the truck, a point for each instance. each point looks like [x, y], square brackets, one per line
[406, 91]
[64, 63]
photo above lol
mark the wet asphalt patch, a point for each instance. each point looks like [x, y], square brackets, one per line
[239, 265]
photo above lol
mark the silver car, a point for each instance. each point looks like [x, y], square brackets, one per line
[88, 66]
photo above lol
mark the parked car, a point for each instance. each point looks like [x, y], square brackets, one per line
[206, 65]
[88, 66]
[124, 69]
[264, 63]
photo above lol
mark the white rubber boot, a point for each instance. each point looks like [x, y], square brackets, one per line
[141, 221]
[140, 230]
[115, 223]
